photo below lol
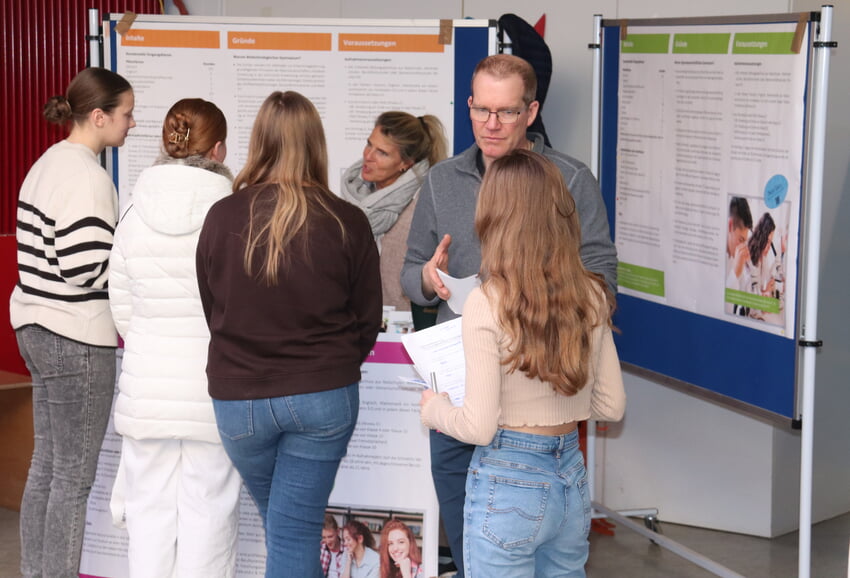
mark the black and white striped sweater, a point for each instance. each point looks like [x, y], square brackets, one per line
[67, 210]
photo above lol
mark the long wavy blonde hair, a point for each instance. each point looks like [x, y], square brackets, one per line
[287, 151]
[548, 303]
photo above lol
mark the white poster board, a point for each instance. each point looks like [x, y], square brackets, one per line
[701, 117]
[352, 70]
[706, 114]
[387, 473]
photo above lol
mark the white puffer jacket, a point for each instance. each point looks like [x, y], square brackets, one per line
[153, 294]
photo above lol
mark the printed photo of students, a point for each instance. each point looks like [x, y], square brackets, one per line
[332, 551]
[760, 280]
[756, 259]
[400, 554]
[361, 559]
[738, 227]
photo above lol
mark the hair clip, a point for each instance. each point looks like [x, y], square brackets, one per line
[176, 138]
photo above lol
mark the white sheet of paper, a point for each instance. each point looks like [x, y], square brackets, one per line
[439, 350]
[459, 289]
[411, 383]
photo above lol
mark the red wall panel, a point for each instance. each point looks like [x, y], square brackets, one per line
[43, 47]
[11, 360]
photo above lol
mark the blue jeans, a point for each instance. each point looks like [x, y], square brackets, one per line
[72, 390]
[288, 450]
[527, 510]
[450, 460]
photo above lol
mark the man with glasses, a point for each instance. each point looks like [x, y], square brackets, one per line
[442, 234]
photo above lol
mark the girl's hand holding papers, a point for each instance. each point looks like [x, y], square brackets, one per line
[427, 394]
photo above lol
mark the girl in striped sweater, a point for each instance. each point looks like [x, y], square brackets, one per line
[67, 212]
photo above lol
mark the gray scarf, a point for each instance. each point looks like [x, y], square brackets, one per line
[197, 161]
[383, 206]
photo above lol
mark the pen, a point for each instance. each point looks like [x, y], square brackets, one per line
[434, 382]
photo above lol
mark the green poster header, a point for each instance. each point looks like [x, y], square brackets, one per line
[763, 43]
[645, 44]
[760, 302]
[701, 43]
[641, 279]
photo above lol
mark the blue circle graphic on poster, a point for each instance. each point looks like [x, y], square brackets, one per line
[775, 191]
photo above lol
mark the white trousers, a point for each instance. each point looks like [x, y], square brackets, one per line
[181, 503]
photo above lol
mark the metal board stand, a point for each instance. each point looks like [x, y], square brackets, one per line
[669, 544]
[808, 341]
[809, 314]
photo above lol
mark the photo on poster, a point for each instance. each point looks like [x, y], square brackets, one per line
[375, 541]
[395, 321]
[756, 254]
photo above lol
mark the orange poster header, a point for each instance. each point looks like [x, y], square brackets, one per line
[172, 38]
[390, 43]
[279, 40]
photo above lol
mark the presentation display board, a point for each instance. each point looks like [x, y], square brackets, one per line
[352, 70]
[702, 152]
[386, 474]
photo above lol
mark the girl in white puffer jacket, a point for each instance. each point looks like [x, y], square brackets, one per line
[180, 490]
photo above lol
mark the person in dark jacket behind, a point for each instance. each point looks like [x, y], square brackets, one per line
[290, 284]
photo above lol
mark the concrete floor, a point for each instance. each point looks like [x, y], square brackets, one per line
[628, 554]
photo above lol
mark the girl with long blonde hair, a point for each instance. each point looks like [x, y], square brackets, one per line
[539, 358]
[290, 283]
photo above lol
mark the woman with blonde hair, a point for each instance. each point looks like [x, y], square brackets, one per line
[384, 183]
[66, 218]
[180, 491]
[289, 279]
[539, 358]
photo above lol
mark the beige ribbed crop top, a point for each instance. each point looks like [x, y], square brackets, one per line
[496, 398]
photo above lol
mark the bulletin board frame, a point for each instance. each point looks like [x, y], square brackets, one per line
[689, 345]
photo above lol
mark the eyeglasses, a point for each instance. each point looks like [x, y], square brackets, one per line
[481, 114]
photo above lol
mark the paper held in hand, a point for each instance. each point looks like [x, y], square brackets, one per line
[459, 289]
[438, 350]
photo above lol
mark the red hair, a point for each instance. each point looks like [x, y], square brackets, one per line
[388, 566]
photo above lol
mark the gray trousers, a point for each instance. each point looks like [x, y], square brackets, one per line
[73, 385]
